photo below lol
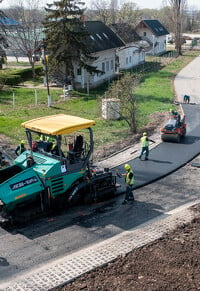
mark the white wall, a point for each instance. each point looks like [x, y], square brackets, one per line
[130, 57]
[105, 62]
[159, 43]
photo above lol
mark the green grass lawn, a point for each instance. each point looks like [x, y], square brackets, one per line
[155, 93]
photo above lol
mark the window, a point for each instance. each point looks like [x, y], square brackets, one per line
[78, 71]
[105, 35]
[107, 66]
[111, 64]
[127, 60]
[98, 36]
[145, 34]
[130, 59]
[103, 67]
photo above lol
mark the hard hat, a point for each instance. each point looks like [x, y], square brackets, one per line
[144, 134]
[127, 167]
[170, 110]
[22, 142]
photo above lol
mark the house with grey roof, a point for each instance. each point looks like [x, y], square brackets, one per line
[114, 48]
[102, 43]
[153, 31]
[133, 53]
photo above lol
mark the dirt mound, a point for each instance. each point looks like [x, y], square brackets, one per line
[169, 263]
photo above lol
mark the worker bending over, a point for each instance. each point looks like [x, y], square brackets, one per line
[174, 114]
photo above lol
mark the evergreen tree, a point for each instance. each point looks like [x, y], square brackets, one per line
[66, 39]
[3, 40]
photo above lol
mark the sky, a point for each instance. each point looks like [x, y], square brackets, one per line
[140, 3]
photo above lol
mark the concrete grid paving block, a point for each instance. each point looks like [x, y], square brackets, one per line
[70, 267]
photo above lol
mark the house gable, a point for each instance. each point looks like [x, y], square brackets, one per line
[154, 25]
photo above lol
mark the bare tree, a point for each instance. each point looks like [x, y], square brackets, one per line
[26, 37]
[124, 90]
[113, 10]
[130, 13]
[165, 17]
[102, 10]
[192, 19]
[109, 12]
[177, 10]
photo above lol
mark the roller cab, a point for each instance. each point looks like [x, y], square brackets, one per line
[173, 130]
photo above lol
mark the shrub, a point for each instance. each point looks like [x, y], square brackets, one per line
[12, 80]
[8, 79]
[27, 74]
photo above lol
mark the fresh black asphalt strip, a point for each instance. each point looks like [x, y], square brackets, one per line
[167, 157]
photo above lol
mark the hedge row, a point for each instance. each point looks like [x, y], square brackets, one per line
[19, 76]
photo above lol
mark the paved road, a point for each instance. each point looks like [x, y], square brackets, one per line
[188, 80]
[49, 238]
[168, 157]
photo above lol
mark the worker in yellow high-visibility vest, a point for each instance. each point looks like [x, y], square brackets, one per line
[145, 146]
[129, 180]
[20, 148]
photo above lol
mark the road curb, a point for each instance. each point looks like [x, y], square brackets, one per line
[66, 269]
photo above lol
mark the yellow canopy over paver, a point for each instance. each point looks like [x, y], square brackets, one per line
[58, 124]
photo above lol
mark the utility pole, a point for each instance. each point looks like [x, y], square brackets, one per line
[45, 68]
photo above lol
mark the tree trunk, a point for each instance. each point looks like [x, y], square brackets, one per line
[178, 28]
[33, 69]
[73, 83]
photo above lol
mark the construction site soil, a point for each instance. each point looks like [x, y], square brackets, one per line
[170, 263]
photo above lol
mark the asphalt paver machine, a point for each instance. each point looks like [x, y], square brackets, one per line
[55, 171]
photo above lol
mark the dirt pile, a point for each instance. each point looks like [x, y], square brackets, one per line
[170, 263]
